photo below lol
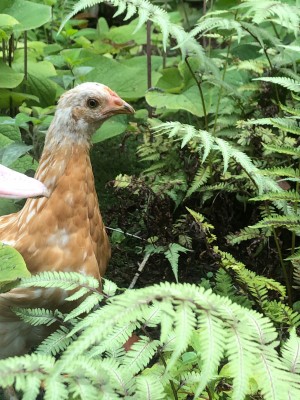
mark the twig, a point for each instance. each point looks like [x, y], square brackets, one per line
[139, 271]
[124, 233]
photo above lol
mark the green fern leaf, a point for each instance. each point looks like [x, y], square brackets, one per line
[288, 83]
[172, 254]
[38, 316]
[140, 354]
[56, 342]
[149, 388]
[62, 280]
[290, 353]
[85, 306]
[289, 221]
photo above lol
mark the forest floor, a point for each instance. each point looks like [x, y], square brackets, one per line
[113, 157]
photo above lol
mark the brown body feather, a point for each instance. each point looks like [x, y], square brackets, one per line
[63, 232]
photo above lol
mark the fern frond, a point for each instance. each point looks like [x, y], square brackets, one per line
[290, 353]
[38, 316]
[172, 255]
[85, 306]
[149, 388]
[280, 171]
[288, 195]
[210, 343]
[200, 179]
[244, 234]
[140, 354]
[292, 151]
[208, 23]
[148, 11]
[285, 82]
[56, 342]
[284, 124]
[291, 222]
[286, 15]
[61, 280]
[13, 370]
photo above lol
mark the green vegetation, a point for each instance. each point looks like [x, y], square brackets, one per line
[205, 195]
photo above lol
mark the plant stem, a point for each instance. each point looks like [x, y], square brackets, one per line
[200, 91]
[284, 270]
[221, 88]
[25, 60]
[295, 210]
[149, 66]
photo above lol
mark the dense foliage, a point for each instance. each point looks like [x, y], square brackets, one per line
[212, 204]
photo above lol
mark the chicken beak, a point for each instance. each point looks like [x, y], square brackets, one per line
[128, 109]
[116, 105]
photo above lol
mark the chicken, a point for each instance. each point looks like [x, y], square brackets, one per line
[64, 231]
[14, 185]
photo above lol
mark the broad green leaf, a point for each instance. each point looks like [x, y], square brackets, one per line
[43, 88]
[12, 152]
[7, 21]
[113, 127]
[128, 77]
[12, 267]
[38, 83]
[30, 15]
[24, 164]
[188, 100]
[123, 35]
[8, 129]
[7, 206]
[9, 78]
[15, 99]
[171, 80]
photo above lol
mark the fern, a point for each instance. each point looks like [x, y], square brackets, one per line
[60, 279]
[288, 83]
[147, 11]
[214, 327]
[172, 255]
[227, 150]
[284, 14]
[209, 22]
[291, 353]
[289, 195]
[56, 342]
[246, 233]
[291, 222]
[38, 316]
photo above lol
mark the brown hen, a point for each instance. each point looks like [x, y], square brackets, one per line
[64, 231]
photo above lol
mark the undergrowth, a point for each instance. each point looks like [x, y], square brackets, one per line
[215, 201]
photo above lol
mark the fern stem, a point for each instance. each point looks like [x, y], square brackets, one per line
[295, 210]
[284, 270]
[171, 382]
[200, 91]
[264, 49]
[149, 66]
[221, 88]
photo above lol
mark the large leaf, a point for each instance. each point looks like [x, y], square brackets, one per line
[9, 129]
[9, 78]
[12, 152]
[12, 267]
[113, 127]
[7, 206]
[188, 100]
[30, 15]
[38, 82]
[14, 99]
[128, 78]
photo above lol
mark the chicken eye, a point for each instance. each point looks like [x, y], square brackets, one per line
[92, 103]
